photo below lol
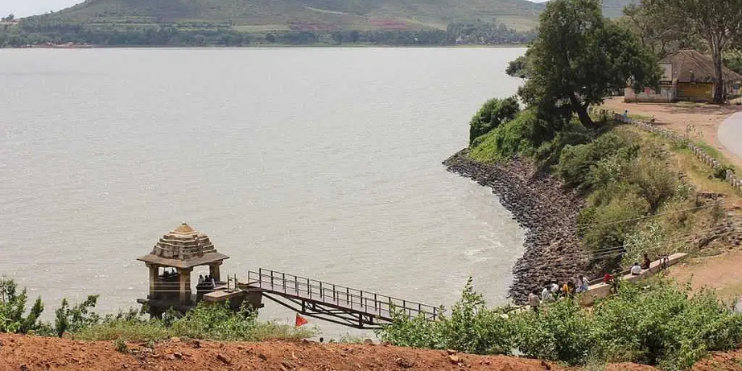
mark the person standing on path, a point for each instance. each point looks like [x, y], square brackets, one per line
[533, 300]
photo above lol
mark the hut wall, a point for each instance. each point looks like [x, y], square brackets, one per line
[666, 94]
[696, 92]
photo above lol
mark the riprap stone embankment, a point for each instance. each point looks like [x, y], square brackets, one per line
[541, 206]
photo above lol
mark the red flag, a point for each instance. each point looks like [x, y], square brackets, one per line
[300, 321]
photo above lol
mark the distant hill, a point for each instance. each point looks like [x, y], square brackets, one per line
[295, 22]
[311, 15]
[614, 8]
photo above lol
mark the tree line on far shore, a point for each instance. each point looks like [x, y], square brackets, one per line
[41, 29]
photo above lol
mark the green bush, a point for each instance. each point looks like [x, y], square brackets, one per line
[13, 309]
[471, 328]
[560, 332]
[206, 321]
[624, 180]
[77, 317]
[576, 162]
[607, 226]
[493, 113]
[665, 326]
[662, 325]
[548, 153]
[120, 346]
[129, 326]
[415, 332]
[720, 172]
[521, 135]
[649, 237]
[518, 67]
[656, 183]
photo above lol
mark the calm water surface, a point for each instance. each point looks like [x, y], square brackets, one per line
[323, 163]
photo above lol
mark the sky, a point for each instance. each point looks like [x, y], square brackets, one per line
[25, 8]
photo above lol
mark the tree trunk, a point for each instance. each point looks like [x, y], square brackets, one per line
[719, 83]
[581, 110]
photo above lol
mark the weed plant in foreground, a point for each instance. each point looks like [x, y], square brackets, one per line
[206, 321]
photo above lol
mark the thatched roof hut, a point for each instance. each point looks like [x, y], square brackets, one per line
[692, 66]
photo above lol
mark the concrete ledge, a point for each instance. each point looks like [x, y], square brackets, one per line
[601, 290]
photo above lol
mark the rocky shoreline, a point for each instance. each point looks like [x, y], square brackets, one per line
[540, 205]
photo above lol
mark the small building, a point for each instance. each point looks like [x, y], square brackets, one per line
[170, 264]
[687, 76]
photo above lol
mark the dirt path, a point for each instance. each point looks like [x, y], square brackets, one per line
[705, 118]
[722, 273]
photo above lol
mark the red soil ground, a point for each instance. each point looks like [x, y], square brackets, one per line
[30, 353]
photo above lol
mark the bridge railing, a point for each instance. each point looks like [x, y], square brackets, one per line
[341, 296]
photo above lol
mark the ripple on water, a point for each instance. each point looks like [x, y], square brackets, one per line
[322, 163]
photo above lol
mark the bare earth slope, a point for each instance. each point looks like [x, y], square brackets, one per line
[37, 353]
[29, 353]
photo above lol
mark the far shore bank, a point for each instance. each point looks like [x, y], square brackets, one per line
[267, 46]
[538, 204]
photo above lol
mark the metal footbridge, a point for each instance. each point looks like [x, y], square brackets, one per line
[333, 303]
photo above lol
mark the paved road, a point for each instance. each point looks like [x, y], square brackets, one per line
[730, 134]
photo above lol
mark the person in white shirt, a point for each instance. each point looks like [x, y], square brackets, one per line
[554, 287]
[585, 284]
[636, 269]
[546, 295]
[578, 283]
[533, 300]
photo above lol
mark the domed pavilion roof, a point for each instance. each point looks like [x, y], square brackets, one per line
[183, 248]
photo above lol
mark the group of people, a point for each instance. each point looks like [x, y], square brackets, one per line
[166, 272]
[552, 291]
[206, 280]
[637, 269]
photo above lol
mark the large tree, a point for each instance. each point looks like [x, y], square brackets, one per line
[579, 57]
[717, 22]
[663, 34]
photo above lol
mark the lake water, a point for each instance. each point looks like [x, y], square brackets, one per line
[320, 162]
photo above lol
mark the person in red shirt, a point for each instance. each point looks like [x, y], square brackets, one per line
[610, 280]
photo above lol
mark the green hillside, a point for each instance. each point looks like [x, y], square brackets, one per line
[311, 15]
[614, 8]
[295, 22]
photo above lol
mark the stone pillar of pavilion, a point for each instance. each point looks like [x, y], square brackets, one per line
[214, 270]
[182, 249]
[184, 285]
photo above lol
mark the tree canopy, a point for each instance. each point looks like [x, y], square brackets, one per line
[662, 34]
[717, 22]
[579, 57]
[493, 113]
